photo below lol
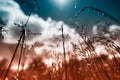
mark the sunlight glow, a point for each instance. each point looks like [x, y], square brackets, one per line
[61, 3]
[15, 66]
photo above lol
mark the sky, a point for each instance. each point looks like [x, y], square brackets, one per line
[51, 15]
[66, 11]
[11, 13]
[48, 21]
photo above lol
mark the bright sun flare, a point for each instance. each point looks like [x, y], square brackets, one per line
[61, 3]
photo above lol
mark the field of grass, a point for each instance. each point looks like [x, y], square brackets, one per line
[84, 63]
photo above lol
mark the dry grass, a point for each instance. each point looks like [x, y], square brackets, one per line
[90, 67]
[93, 67]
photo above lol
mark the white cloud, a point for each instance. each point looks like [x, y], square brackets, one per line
[94, 30]
[11, 10]
[50, 29]
[114, 28]
[98, 28]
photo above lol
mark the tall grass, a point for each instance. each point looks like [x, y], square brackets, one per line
[90, 66]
